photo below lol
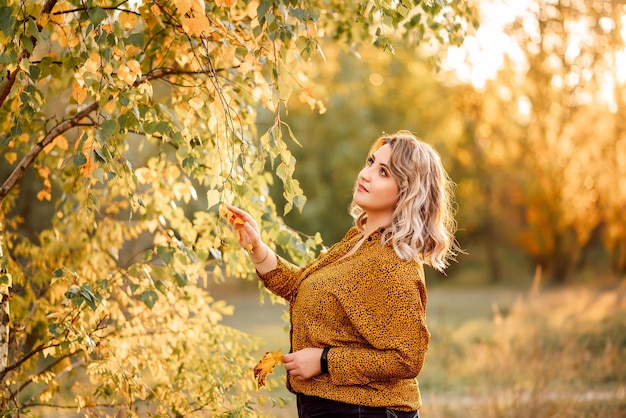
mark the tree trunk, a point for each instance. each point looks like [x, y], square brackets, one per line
[5, 286]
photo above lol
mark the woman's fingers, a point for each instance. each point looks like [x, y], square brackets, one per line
[245, 226]
[240, 213]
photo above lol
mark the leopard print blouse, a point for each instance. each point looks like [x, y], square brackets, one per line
[370, 308]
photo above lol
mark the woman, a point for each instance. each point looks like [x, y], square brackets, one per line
[358, 311]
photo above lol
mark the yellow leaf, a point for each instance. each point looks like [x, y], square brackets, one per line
[92, 63]
[213, 197]
[44, 195]
[196, 103]
[135, 67]
[230, 216]
[266, 365]
[11, 157]
[78, 93]
[156, 11]
[56, 14]
[226, 3]
[128, 20]
[60, 142]
[196, 26]
[145, 175]
[125, 74]
[183, 6]
[251, 9]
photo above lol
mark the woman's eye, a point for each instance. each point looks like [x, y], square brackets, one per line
[383, 172]
[370, 161]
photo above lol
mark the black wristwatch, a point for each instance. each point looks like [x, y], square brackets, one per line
[324, 360]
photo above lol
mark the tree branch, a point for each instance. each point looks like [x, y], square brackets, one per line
[28, 159]
[6, 87]
[74, 121]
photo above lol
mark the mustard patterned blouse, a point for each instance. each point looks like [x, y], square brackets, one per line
[369, 308]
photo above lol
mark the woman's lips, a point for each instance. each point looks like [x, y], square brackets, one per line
[362, 188]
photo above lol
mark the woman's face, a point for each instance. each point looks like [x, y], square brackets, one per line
[376, 191]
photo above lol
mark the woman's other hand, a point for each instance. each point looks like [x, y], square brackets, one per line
[303, 364]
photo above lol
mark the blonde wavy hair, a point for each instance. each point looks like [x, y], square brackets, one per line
[423, 225]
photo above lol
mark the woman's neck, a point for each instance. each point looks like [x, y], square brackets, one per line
[376, 222]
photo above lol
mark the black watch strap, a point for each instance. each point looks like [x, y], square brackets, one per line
[324, 360]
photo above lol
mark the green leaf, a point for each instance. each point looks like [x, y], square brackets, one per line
[34, 72]
[181, 279]
[79, 159]
[97, 15]
[103, 284]
[262, 9]
[26, 43]
[149, 297]
[160, 286]
[7, 21]
[136, 39]
[72, 292]
[165, 253]
[31, 28]
[56, 330]
[58, 273]
[107, 129]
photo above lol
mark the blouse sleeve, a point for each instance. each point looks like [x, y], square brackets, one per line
[283, 280]
[388, 310]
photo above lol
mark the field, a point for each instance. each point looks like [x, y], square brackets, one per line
[495, 352]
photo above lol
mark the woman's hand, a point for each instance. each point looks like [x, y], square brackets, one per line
[249, 237]
[304, 364]
[246, 228]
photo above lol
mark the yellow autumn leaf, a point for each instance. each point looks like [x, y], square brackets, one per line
[155, 10]
[128, 20]
[266, 366]
[124, 73]
[135, 67]
[230, 216]
[56, 15]
[92, 63]
[196, 103]
[11, 157]
[226, 3]
[59, 142]
[44, 195]
[145, 175]
[78, 93]
[196, 26]
[183, 6]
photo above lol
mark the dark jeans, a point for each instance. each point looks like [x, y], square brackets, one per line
[314, 407]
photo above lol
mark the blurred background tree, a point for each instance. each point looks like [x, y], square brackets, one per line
[528, 116]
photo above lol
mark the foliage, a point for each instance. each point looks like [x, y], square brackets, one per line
[543, 139]
[132, 119]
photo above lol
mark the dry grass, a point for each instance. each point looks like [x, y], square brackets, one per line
[557, 353]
